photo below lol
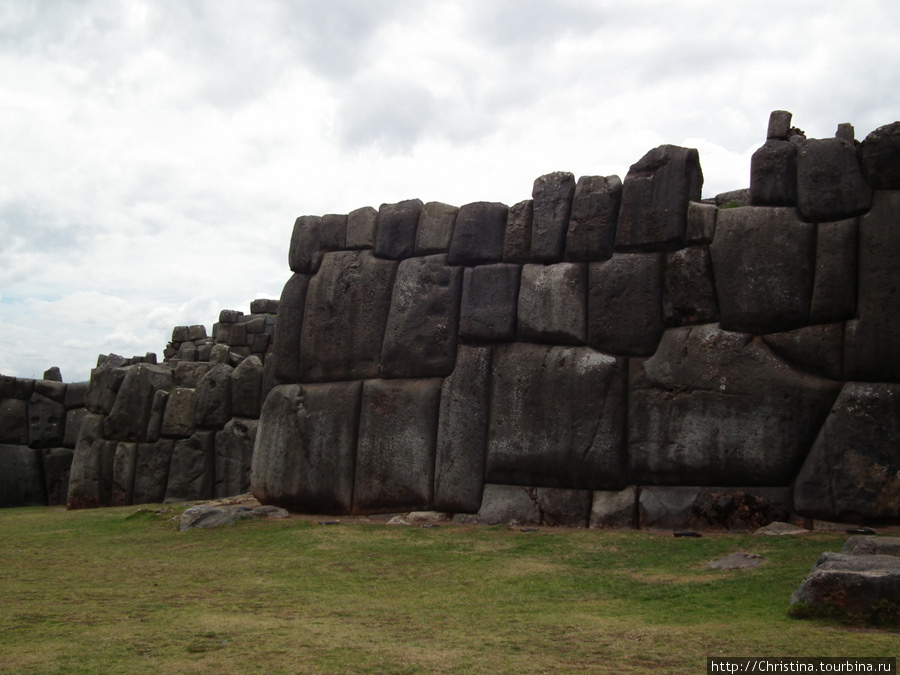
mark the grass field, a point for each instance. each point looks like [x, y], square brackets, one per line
[122, 591]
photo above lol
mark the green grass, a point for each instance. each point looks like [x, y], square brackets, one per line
[122, 591]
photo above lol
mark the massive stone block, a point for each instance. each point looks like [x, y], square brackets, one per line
[14, 421]
[305, 450]
[397, 436]
[395, 230]
[305, 252]
[347, 308]
[490, 297]
[552, 303]
[873, 341]
[213, 398]
[16, 387]
[57, 463]
[124, 463]
[625, 304]
[718, 408]
[517, 237]
[90, 478]
[52, 389]
[234, 452]
[834, 288]
[655, 196]
[557, 418]
[21, 476]
[289, 328]
[178, 419]
[74, 418]
[422, 326]
[738, 509]
[879, 155]
[361, 228]
[246, 388]
[853, 469]
[592, 224]
[534, 506]
[130, 416]
[478, 235]
[773, 174]
[552, 196]
[818, 350]
[830, 184]
[46, 422]
[690, 294]
[435, 229]
[764, 264]
[701, 223]
[462, 433]
[192, 469]
[151, 472]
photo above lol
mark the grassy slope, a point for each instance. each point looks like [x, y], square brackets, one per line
[121, 591]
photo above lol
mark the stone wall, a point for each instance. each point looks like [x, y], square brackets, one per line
[608, 352]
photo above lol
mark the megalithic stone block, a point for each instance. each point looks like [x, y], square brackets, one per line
[246, 388]
[830, 184]
[717, 408]
[124, 463]
[834, 287]
[21, 477]
[435, 229]
[655, 196]
[701, 223]
[305, 451]
[305, 252]
[347, 308]
[289, 328]
[773, 174]
[90, 478]
[212, 398]
[396, 452]
[690, 293]
[395, 230]
[46, 422]
[234, 453]
[478, 234]
[178, 419]
[361, 228]
[625, 304]
[818, 350]
[764, 264]
[552, 303]
[422, 326]
[591, 234]
[879, 155]
[192, 469]
[490, 297]
[151, 472]
[462, 433]
[14, 421]
[517, 237]
[57, 463]
[552, 196]
[130, 416]
[557, 418]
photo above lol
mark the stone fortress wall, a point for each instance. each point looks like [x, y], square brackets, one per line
[608, 352]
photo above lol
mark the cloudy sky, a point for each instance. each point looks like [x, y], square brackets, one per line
[155, 153]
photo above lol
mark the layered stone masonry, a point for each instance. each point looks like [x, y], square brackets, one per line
[607, 352]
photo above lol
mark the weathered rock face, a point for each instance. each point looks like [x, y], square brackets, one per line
[21, 481]
[551, 206]
[830, 184]
[592, 224]
[490, 297]
[395, 229]
[130, 415]
[478, 234]
[879, 155]
[552, 303]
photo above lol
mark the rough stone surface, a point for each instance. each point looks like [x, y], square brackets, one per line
[14, 421]
[21, 477]
[779, 124]
[872, 545]
[552, 196]
[830, 184]
[462, 432]
[625, 304]
[564, 508]
[764, 264]
[305, 449]
[130, 416]
[879, 154]
[52, 389]
[395, 230]
[435, 229]
[735, 509]
[655, 197]
[818, 350]
[396, 451]
[234, 452]
[213, 398]
[517, 237]
[592, 224]
[490, 296]
[207, 517]
[124, 462]
[689, 295]
[361, 228]
[246, 388]
[305, 252]
[74, 418]
[347, 308]
[46, 422]
[552, 304]
[557, 418]
[189, 374]
[90, 478]
[718, 408]
[423, 322]
[478, 235]
[289, 328]
[192, 471]
[507, 504]
[834, 288]
[773, 174]
[151, 472]
[178, 419]
[853, 470]
[701, 223]
[57, 463]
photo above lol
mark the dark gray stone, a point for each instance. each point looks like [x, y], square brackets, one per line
[779, 125]
[873, 340]
[830, 184]
[189, 374]
[718, 408]
[334, 232]
[879, 154]
[101, 393]
[246, 388]
[264, 305]
[124, 463]
[46, 422]
[557, 418]
[852, 584]
[208, 517]
[435, 228]
[517, 237]
[818, 350]
[305, 252]
[90, 477]
[462, 433]
[509, 504]
[151, 472]
[289, 328]
[872, 545]
[552, 196]
[564, 508]
[741, 509]
[853, 470]
[689, 295]
[178, 419]
[764, 264]
[16, 387]
[592, 224]
[834, 288]
[396, 452]
[625, 304]
[212, 398]
[180, 334]
[395, 230]
[305, 448]
[614, 509]
[361, 228]
[53, 374]
[13, 421]
[75, 393]
[478, 235]
[655, 197]
[773, 174]
[157, 412]
[230, 316]
[192, 470]
[52, 389]
[730, 199]
[490, 297]
[21, 476]
[701, 223]
[347, 308]
[196, 333]
[57, 463]
[130, 416]
[422, 326]
[234, 452]
[552, 303]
